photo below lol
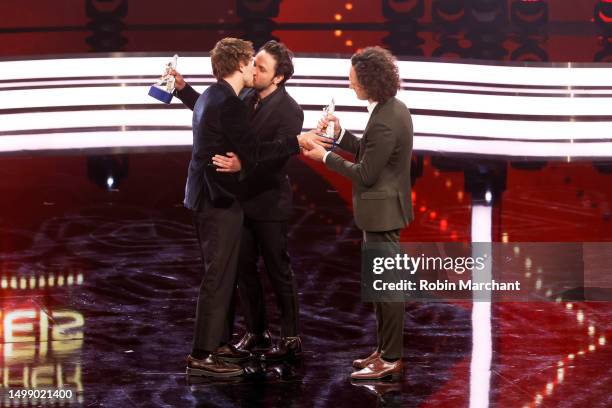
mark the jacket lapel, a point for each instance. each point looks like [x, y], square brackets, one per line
[260, 120]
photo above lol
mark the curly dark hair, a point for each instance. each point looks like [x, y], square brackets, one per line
[377, 73]
[283, 57]
[228, 54]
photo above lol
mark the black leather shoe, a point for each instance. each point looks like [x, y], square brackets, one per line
[255, 342]
[211, 366]
[288, 348]
[232, 354]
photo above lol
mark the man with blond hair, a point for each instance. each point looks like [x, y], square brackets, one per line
[221, 125]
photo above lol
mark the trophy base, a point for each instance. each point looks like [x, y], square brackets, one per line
[334, 143]
[160, 94]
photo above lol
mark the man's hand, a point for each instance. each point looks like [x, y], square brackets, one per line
[309, 139]
[179, 82]
[316, 153]
[322, 125]
[227, 164]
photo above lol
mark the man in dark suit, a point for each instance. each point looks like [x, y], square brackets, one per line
[380, 177]
[220, 125]
[266, 200]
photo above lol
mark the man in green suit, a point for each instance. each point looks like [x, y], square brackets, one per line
[380, 176]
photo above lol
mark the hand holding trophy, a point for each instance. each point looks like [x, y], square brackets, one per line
[329, 129]
[162, 90]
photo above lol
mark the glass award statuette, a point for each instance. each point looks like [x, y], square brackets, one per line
[162, 90]
[330, 129]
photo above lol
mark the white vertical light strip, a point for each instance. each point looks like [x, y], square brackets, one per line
[482, 342]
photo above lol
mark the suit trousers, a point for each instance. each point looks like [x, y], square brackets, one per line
[268, 239]
[218, 231]
[389, 315]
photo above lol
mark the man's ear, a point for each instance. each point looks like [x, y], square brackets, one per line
[278, 79]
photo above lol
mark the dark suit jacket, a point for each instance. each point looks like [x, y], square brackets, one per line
[381, 173]
[220, 125]
[265, 193]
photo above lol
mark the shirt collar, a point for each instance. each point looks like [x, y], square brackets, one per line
[371, 107]
[269, 97]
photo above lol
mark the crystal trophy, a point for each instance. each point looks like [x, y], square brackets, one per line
[330, 129]
[162, 90]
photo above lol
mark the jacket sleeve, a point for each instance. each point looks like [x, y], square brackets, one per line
[379, 146]
[349, 142]
[285, 142]
[188, 96]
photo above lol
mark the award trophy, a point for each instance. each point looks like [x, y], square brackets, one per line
[162, 90]
[330, 129]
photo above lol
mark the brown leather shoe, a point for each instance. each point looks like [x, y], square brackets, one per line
[288, 348]
[363, 362]
[379, 369]
[255, 342]
[212, 367]
[231, 354]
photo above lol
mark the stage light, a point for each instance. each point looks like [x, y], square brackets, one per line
[529, 51]
[448, 12]
[403, 9]
[603, 12]
[106, 171]
[487, 11]
[603, 18]
[449, 48]
[529, 12]
[106, 24]
[485, 17]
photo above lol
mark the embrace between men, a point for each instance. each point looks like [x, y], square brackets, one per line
[246, 127]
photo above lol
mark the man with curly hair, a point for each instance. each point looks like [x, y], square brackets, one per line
[380, 177]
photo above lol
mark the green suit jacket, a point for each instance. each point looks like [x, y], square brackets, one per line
[381, 172]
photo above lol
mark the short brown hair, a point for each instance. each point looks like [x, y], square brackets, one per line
[228, 54]
[283, 57]
[377, 73]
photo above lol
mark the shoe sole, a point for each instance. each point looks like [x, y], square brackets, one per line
[205, 373]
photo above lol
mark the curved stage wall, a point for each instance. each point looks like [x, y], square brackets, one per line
[101, 102]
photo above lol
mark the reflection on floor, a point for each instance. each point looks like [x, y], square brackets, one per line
[99, 273]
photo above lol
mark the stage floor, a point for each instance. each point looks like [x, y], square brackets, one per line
[100, 278]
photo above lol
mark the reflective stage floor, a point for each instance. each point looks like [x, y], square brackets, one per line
[100, 271]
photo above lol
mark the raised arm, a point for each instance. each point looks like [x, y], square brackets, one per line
[184, 91]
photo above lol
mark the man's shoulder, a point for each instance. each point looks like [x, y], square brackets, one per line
[289, 104]
[393, 107]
